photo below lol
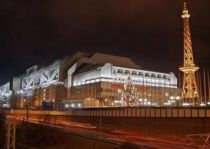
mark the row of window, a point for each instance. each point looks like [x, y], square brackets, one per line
[140, 73]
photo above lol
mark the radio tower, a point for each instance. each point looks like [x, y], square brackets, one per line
[190, 90]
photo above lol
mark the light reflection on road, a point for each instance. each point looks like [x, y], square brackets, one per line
[114, 136]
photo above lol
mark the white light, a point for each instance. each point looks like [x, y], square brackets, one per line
[145, 99]
[72, 105]
[116, 101]
[79, 105]
[208, 103]
[66, 105]
[172, 101]
[53, 100]
[186, 104]
[178, 97]
[6, 105]
[92, 81]
[172, 97]
[202, 104]
[140, 100]
[167, 103]
[154, 104]
[105, 100]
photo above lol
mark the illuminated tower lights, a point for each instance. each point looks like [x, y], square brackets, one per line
[190, 90]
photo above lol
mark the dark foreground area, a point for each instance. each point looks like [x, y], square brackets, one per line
[35, 136]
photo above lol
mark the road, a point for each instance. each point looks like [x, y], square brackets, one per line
[115, 136]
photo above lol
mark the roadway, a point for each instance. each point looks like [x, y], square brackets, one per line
[115, 136]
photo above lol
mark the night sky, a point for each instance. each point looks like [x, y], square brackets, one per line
[148, 31]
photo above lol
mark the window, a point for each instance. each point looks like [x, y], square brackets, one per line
[147, 75]
[158, 76]
[127, 72]
[134, 73]
[141, 73]
[153, 75]
[114, 71]
[164, 77]
[119, 71]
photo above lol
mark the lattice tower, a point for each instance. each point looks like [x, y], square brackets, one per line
[190, 90]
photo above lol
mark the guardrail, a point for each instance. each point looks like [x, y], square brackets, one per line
[144, 112]
[127, 112]
[36, 112]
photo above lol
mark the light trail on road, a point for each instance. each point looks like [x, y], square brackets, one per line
[112, 136]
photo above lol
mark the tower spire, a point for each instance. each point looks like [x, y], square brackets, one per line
[190, 90]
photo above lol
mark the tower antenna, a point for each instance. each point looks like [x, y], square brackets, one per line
[190, 90]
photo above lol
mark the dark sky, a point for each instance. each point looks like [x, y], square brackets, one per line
[148, 31]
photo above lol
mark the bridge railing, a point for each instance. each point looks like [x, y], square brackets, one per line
[143, 112]
[127, 112]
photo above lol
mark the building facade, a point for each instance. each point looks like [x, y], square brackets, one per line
[99, 81]
[90, 80]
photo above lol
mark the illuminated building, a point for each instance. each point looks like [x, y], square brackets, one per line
[5, 95]
[47, 84]
[7, 90]
[93, 80]
[98, 81]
